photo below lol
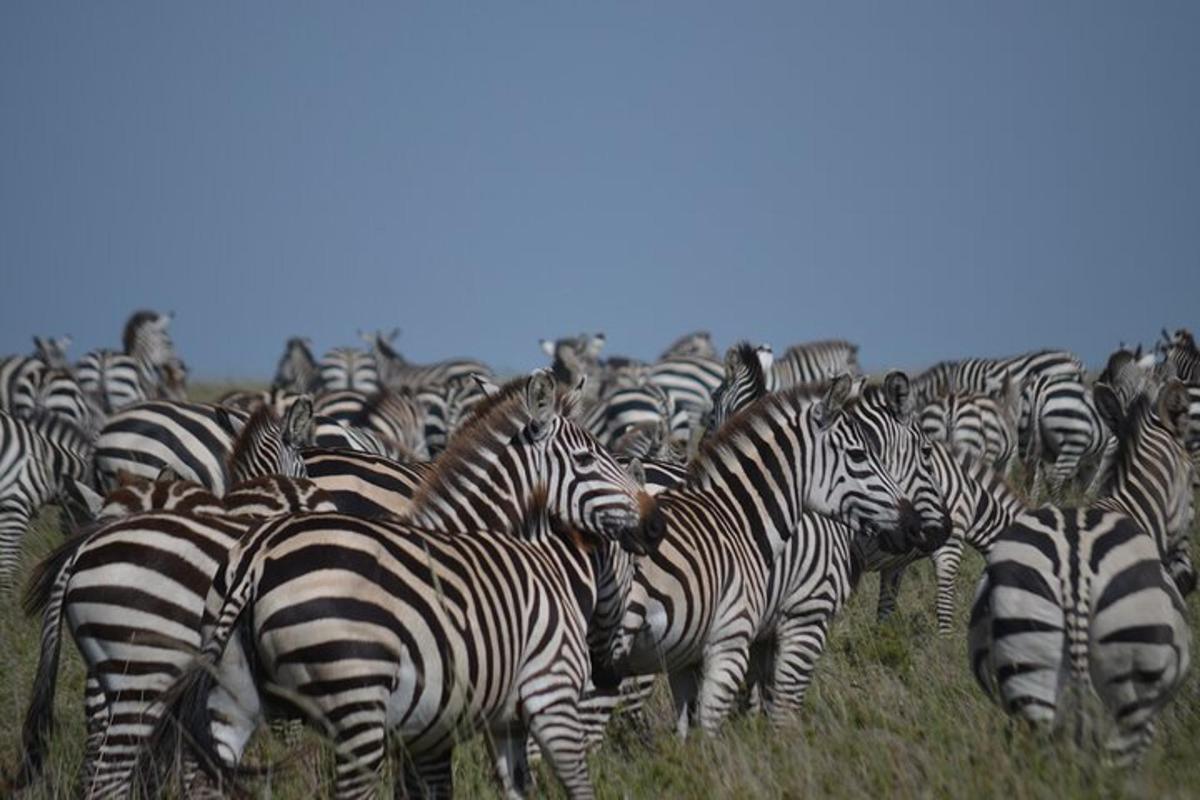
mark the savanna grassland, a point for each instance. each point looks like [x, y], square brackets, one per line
[893, 713]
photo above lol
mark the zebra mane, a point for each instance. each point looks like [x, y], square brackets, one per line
[743, 423]
[491, 424]
[261, 421]
[823, 344]
[133, 325]
[746, 355]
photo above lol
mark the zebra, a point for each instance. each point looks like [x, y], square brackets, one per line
[43, 459]
[488, 579]
[746, 378]
[208, 444]
[1181, 356]
[699, 599]
[148, 367]
[976, 424]
[622, 407]
[813, 362]
[365, 484]
[980, 504]
[20, 377]
[348, 368]
[52, 351]
[986, 375]
[1083, 603]
[398, 373]
[696, 343]
[396, 417]
[1060, 424]
[689, 382]
[132, 591]
[297, 370]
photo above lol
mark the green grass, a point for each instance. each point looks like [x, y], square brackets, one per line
[893, 713]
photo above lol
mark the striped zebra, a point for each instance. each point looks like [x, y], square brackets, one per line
[978, 425]
[980, 504]
[20, 377]
[750, 371]
[1060, 426]
[1181, 356]
[42, 458]
[398, 373]
[689, 382]
[813, 362]
[397, 417]
[746, 378]
[297, 370]
[466, 651]
[132, 592]
[365, 484]
[147, 368]
[208, 444]
[701, 597]
[987, 375]
[623, 407]
[694, 344]
[1081, 607]
[348, 368]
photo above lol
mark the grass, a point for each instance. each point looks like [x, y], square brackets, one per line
[893, 712]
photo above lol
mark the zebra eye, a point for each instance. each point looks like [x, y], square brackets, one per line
[584, 459]
[856, 455]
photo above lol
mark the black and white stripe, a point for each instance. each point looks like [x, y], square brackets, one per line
[977, 425]
[987, 375]
[297, 370]
[1082, 603]
[397, 372]
[1060, 427]
[348, 368]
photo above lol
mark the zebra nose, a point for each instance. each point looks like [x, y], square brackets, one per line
[910, 521]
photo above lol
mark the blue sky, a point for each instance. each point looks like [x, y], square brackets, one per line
[930, 180]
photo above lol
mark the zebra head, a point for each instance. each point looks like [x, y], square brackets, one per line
[846, 478]
[297, 367]
[587, 489]
[887, 419]
[745, 381]
[265, 445]
[1153, 475]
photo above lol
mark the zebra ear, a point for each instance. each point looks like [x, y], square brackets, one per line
[766, 356]
[1173, 409]
[298, 422]
[897, 393]
[834, 401]
[485, 385]
[636, 471]
[539, 400]
[166, 475]
[1109, 407]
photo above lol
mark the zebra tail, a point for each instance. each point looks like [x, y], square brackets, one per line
[46, 575]
[185, 717]
[39, 717]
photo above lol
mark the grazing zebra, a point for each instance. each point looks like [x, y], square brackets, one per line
[453, 609]
[132, 592]
[980, 504]
[345, 368]
[1061, 426]
[397, 372]
[986, 375]
[700, 598]
[42, 457]
[1078, 603]
[147, 368]
[208, 444]
[297, 370]
[697, 344]
[977, 425]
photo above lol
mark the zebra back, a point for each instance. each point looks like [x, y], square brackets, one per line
[349, 368]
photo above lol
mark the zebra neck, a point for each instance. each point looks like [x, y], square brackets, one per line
[1131, 503]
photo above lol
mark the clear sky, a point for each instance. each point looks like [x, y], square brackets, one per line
[930, 180]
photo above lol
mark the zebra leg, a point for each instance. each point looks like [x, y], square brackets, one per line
[429, 776]
[722, 674]
[889, 593]
[560, 734]
[758, 675]
[801, 637]
[946, 561]
[685, 685]
[95, 714]
[509, 748]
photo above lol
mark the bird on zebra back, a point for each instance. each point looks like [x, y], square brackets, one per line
[699, 600]
[209, 444]
[453, 609]
[1080, 610]
[44, 459]
[131, 587]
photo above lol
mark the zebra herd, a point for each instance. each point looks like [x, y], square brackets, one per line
[402, 554]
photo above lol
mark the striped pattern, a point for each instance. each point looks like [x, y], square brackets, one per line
[987, 375]
[976, 425]
[347, 368]
[422, 633]
[1082, 603]
[813, 362]
[398, 373]
[41, 456]
[1062, 428]
[20, 377]
[297, 370]
[697, 344]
